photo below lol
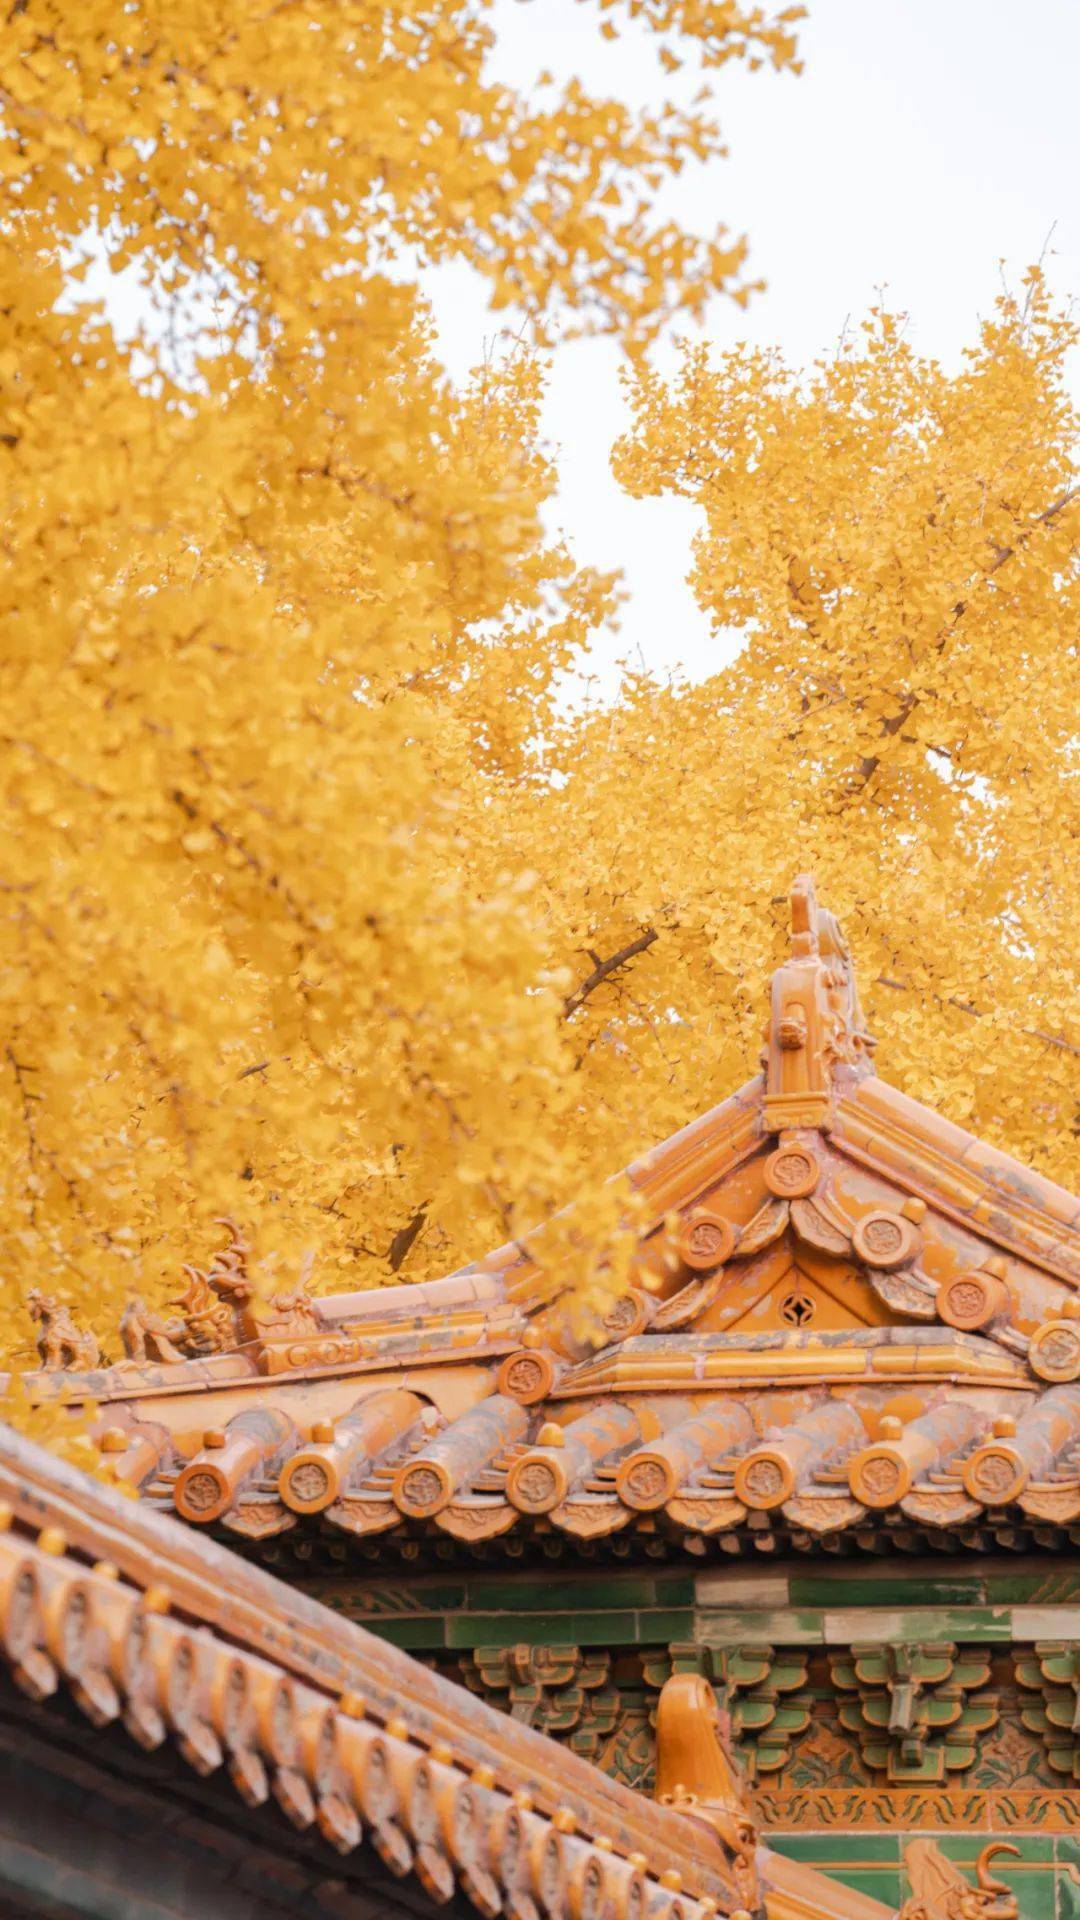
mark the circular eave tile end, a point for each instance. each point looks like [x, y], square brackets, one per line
[421, 1489]
[764, 1480]
[995, 1474]
[704, 1240]
[645, 1481]
[535, 1485]
[792, 1173]
[202, 1493]
[879, 1476]
[308, 1483]
[885, 1240]
[1054, 1353]
[526, 1376]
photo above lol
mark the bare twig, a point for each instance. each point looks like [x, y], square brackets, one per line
[977, 1013]
[893, 722]
[405, 1238]
[604, 969]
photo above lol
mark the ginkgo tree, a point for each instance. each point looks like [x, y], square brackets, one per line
[895, 548]
[282, 621]
[319, 911]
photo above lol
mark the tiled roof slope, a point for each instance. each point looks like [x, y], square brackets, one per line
[849, 1321]
[142, 1624]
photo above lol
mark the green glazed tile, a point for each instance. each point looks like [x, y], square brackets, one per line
[859, 1848]
[979, 1624]
[415, 1635]
[1067, 1878]
[882, 1590]
[437, 1596]
[604, 1629]
[1068, 1897]
[540, 1630]
[965, 1848]
[1040, 1586]
[507, 1629]
[881, 1883]
[375, 1600]
[655, 1628]
[675, 1589]
[537, 1592]
[727, 1627]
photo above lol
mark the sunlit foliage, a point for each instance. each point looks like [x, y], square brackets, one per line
[894, 546]
[281, 622]
[319, 911]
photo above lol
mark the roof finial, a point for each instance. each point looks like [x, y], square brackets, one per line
[804, 916]
[815, 1020]
[696, 1772]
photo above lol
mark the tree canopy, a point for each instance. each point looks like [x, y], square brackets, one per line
[282, 619]
[894, 545]
[319, 911]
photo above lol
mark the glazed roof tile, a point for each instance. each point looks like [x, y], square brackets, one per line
[142, 1624]
[819, 1239]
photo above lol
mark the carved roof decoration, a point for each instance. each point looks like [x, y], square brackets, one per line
[849, 1321]
[141, 1625]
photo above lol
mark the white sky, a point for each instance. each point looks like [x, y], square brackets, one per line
[926, 141]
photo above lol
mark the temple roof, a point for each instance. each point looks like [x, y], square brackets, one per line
[848, 1320]
[139, 1625]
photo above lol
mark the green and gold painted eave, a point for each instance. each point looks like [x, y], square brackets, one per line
[853, 1823]
[993, 1601]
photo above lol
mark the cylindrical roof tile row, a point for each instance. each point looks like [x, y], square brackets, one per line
[392, 1461]
[335, 1761]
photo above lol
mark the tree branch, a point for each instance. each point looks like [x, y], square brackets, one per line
[604, 969]
[976, 1013]
[892, 724]
[405, 1238]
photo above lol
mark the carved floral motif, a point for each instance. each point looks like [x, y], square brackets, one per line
[885, 1239]
[792, 1172]
[1054, 1354]
[704, 1240]
[526, 1376]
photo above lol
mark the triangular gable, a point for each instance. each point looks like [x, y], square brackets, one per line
[817, 1242]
